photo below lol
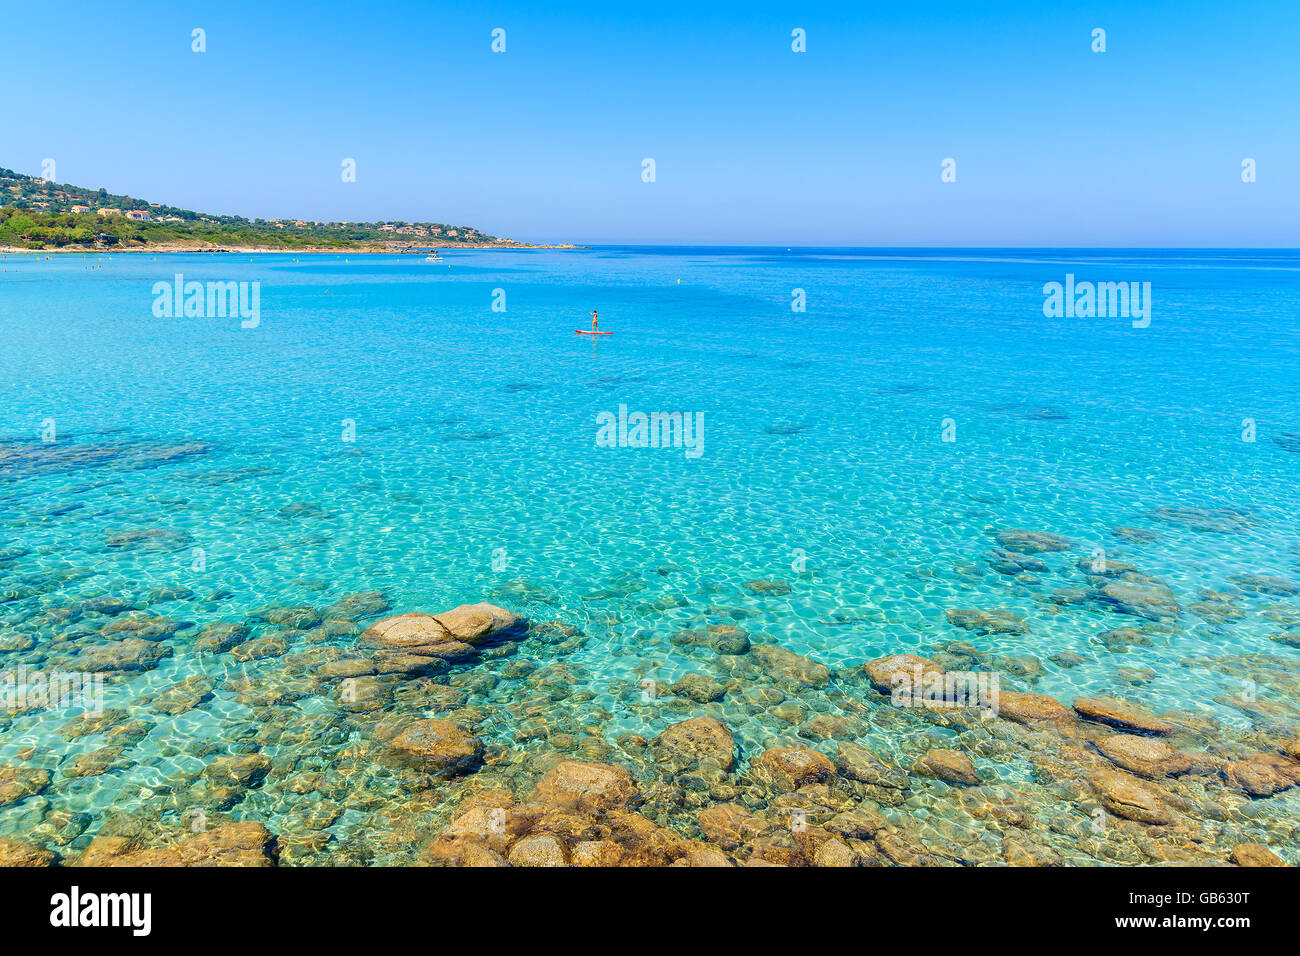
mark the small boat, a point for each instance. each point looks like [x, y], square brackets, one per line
[433, 257]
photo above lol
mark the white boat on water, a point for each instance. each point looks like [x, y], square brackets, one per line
[433, 257]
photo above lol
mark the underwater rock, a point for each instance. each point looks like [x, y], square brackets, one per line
[585, 787]
[346, 667]
[727, 639]
[836, 853]
[992, 621]
[440, 745]
[16, 643]
[170, 593]
[952, 766]
[1032, 542]
[705, 856]
[1137, 676]
[786, 768]
[765, 586]
[1145, 756]
[143, 628]
[730, 825]
[181, 697]
[1067, 659]
[230, 844]
[149, 539]
[19, 783]
[237, 772]
[1135, 535]
[886, 673]
[131, 655]
[858, 763]
[1208, 520]
[298, 617]
[1129, 798]
[699, 740]
[1018, 851]
[354, 607]
[1253, 854]
[1138, 595]
[220, 637]
[453, 635]
[829, 727]
[789, 666]
[697, 687]
[1012, 563]
[268, 645]
[1121, 714]
[722, 639]
[1119, 639]
[540, 849]
[861, 822]
[1262, 775]
[107, 604]
[1266, 584]
[13, 853]
[1032, 709]
[94, 763]
[330, 630]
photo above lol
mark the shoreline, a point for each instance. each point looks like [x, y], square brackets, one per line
[255, 250]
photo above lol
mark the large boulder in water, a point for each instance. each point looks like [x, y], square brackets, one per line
[696, 742]
[575, 784]
[440, 746]
[407, 640]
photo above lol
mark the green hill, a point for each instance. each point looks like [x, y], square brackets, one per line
[37, 214]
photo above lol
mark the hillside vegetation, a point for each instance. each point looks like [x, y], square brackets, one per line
[37, 214]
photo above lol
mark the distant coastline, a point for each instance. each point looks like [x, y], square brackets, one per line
[39, 215]
[170, 249]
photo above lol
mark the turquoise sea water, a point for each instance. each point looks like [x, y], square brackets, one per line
[475, 473]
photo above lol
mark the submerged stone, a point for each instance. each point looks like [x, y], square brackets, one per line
[19, 783]
[788, 768]
[440, 745]
[1145, 756]
[1033, 542]
[1121, 714]
[789, 666]
[697, 687]
[1127, 797]
[952, 766]
[230, 844]
[585, 787]
[699, 740]
[992, 621]
[14, 853]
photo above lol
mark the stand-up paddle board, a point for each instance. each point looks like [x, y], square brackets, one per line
[580, 332]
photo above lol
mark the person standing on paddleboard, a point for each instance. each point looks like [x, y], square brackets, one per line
[593, 320]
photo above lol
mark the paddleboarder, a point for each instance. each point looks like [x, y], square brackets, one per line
[593, 320]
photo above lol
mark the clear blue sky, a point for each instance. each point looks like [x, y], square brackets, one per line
[1055, 145]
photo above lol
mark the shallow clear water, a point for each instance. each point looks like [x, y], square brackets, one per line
[475, 473]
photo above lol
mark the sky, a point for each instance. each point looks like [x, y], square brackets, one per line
[843, 144]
